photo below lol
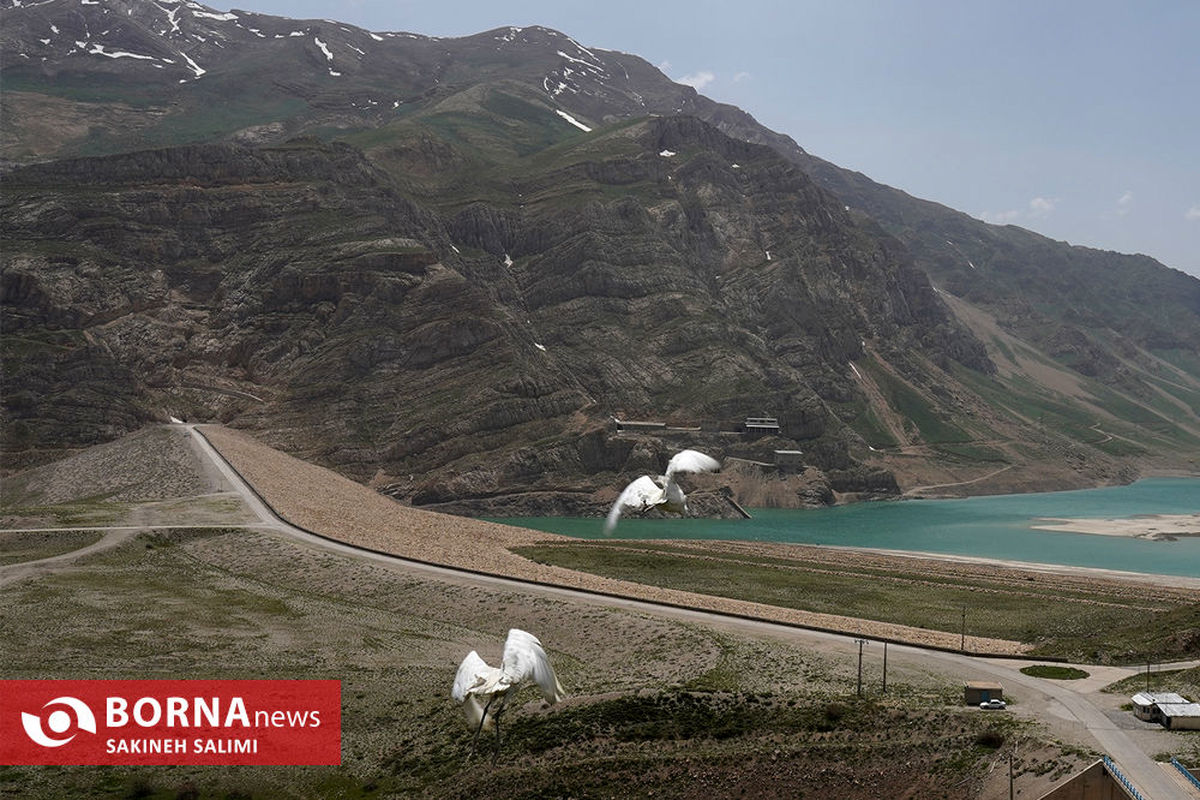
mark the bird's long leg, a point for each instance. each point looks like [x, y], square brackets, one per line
[496, 752]
[482, 719]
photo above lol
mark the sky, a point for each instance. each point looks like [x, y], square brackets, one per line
[1077, 119]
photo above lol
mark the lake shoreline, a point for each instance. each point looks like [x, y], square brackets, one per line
[1152, 527]
[1175, 581]
[993, 529]
[944, 491]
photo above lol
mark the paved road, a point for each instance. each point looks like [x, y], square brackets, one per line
[1054, 697]
[1147, 775]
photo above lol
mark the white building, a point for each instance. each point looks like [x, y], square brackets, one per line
[1168, 709]
[1180, 716]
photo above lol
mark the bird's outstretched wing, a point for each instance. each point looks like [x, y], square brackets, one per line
[691, 461]
[642, 493]
[526, 662]
[471, 672]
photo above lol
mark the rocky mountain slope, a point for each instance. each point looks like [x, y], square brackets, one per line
[482, 250]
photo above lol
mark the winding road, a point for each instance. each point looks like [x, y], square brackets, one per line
[918, 489]
[1153, 782]
[1042, 698]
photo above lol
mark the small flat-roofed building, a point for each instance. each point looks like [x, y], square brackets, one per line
[639, 425]
[760, 426]
[976, 692]
[789, 458]
[1146, 705]
[1180, 716]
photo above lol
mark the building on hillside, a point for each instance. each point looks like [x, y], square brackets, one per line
[1146, 704]
[754, 427]
[1167, 709]
[1180, 716]
[638, 425]
[976, 692]
[789, 458]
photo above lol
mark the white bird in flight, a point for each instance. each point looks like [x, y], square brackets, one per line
[524, 663]
[647, 492]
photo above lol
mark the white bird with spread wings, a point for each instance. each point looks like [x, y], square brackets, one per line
[664, 492]
[524, 663]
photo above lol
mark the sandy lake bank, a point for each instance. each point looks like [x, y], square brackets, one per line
[1164, 527]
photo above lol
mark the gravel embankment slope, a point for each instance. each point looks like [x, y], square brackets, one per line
[321, 501]
[154, 463]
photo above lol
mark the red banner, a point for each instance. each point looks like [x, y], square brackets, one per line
[170, 722]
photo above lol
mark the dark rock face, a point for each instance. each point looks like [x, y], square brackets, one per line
[455, 300]
[295, 290]
[1090, 309]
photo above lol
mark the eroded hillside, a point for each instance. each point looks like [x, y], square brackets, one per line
[488, 248]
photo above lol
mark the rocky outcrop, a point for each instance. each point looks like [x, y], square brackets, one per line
[464, 359]
[455, 306]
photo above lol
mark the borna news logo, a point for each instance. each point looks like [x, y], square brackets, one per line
[59, 721]
[295, 722]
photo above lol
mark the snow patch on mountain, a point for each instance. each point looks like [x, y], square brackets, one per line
[510, 36]
[98, 50]
[173, 18]
[559, 87]
[581, 48]
[572, 120]
[226, 17]
[192, 65]
[328, 56]
[589, 64]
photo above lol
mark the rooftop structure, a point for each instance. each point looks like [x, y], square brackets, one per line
[1168, 709]
[789, 458]
[760, 426]
[1180, 716]
[1153, 698]
[976, 692]
[639, 425]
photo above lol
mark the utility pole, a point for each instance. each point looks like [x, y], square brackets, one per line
[962, 642]
[1147, 676]
[1010, 775]
[861, 642]
[885, 667]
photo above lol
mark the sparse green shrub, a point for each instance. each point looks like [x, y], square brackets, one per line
[834, 712]
[991, 739]
[1054, 672]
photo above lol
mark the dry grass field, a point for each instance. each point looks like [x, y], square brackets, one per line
[657, 707]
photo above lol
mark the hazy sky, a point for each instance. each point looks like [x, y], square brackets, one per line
[1077, 119]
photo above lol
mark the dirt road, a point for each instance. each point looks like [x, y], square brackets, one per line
[22, 569]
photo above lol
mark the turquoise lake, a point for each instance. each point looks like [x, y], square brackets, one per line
[985, 527]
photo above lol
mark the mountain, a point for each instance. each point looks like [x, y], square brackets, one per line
[444, 266]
